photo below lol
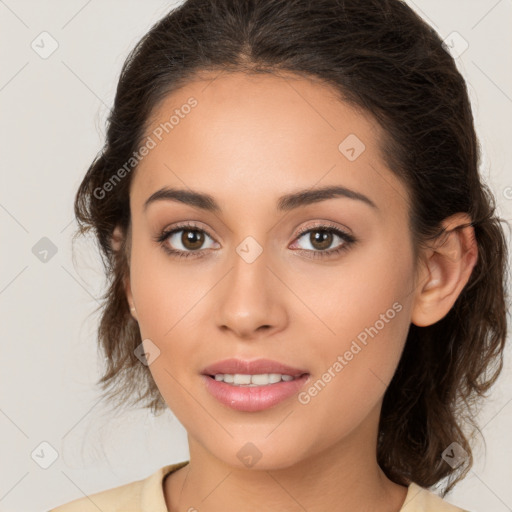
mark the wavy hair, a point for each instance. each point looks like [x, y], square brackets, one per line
[383, 58]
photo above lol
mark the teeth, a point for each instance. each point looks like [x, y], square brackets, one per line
[241, 379]
[262, 379]
[266, 378]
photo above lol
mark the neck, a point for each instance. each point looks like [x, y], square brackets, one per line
[342, 478]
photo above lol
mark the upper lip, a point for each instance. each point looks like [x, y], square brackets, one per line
[258, 366]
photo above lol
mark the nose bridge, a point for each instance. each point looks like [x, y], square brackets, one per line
[249, 299]
[249, 275]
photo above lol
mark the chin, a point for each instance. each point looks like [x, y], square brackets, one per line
[259, 454]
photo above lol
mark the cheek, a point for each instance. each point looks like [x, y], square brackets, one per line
[365, 314]
[372, 281]
[169, 298]
[163, 292]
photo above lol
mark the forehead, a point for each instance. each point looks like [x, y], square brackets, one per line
[227, 132]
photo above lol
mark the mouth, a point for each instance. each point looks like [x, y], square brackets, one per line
[254, 380]
[260, 372]
[253, 385]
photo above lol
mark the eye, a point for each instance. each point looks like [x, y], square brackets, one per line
[184, 240]
[187, 240]
[320, 239]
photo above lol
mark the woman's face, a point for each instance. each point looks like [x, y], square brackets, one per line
[335, 308]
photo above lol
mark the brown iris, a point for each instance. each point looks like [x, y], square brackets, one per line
[322, 238]
[192, 239]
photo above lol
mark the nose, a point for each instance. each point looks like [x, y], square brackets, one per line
[250, 302]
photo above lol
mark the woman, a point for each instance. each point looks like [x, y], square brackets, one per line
[305, 265]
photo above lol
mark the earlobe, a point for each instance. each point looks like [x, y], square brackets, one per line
[129, 298]
[448, 268]
[116, 239]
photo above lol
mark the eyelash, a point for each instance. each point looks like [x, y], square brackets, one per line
[348, 240]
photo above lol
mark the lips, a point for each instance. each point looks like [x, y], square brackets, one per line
[252, 398]
[259, 366]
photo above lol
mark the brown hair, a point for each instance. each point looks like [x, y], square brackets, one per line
[381, 57]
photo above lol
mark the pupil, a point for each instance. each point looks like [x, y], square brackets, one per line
[192, 239]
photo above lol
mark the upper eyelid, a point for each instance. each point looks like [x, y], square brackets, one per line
[326, 226]
[187, 225]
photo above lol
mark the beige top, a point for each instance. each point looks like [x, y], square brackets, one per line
[147, 495]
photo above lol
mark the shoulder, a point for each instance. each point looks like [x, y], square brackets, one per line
[125, 497]
[419, 499]
[137, 496]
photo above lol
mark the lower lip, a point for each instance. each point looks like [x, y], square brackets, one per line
[253, 398]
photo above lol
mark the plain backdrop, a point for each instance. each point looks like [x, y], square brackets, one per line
[53, 112]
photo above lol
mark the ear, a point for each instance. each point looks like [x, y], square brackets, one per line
[117, 238]
[116, 243]
[446, 269]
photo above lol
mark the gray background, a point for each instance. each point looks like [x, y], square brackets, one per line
[52, 124]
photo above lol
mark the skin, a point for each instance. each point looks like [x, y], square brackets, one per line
[247, 142]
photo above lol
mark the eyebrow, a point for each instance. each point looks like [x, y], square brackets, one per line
[285, 203]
